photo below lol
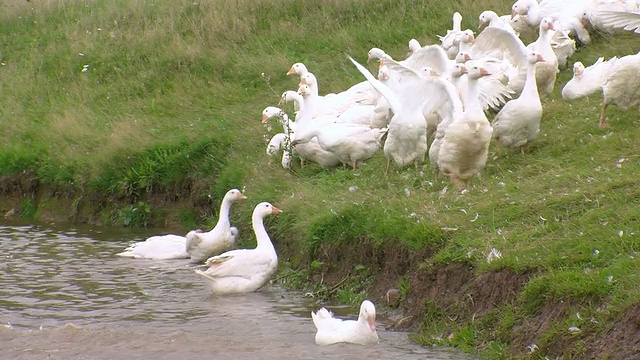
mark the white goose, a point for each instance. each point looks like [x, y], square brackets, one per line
[331, 330]
[244, 270]
[451, 42]
[619, 80]
[421, 95]
[280, 141]
[202, 245]
[349, 143]
[494, 42]
[567, 15]
[195, 244]
[518, 123]
[159, 247]
[311, 150]
[546, 70]
[491, 19]
[465, 143]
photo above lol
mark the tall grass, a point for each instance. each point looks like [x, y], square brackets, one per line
[172, 91]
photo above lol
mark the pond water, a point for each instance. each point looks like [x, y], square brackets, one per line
[65, 295]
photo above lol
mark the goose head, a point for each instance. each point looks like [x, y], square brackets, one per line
[298, 68]
[521, 7]
[308, 79]
[476, 70]
[458, 70]
[264, 208]
[547, 24]
[462, 57]
[414, 45]
[428, 71]
[383, 72]
[535, 57]
[304, 90]
[269, 112]
[578, 69]
[377, 54]
[486, 17]
[368, 314]
[288, 96]
[467, 36]
[233, 195]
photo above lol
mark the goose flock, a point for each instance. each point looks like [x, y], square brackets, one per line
[434, 103]
[437, 101]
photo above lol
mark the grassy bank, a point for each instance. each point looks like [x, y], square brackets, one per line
[148, 111]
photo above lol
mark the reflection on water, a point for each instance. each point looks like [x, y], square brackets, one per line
[65, 295]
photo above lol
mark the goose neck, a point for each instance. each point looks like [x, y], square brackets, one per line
[530, 87]
[262, 238]
[225, 207]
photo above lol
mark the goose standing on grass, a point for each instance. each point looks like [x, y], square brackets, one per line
[546, 70]
[619, 80]
[451, 41]
[202, 245]
[244, 270]
[465, 142]
[567, 14]
[348, 142]
[421, 95]
[331, 330]
[518, 123]
[280, 141]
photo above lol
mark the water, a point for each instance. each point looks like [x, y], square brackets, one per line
[65, 295]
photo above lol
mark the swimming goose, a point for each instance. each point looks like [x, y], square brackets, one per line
[244, 270]
[196, 244]
[159, 247]
[331, 330]
[206, 244]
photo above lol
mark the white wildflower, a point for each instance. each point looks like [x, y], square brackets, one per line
[85, 68]
[353, 188]
[596, 252]
[620, 233]
[407, 192]
[609, 278]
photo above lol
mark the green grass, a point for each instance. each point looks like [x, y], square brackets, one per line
[173, 94]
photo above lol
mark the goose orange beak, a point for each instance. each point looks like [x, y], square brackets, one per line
[264, 118]
[291, 71]
[275, 210]
[372, 323]
[241, 196]
[484, 72]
